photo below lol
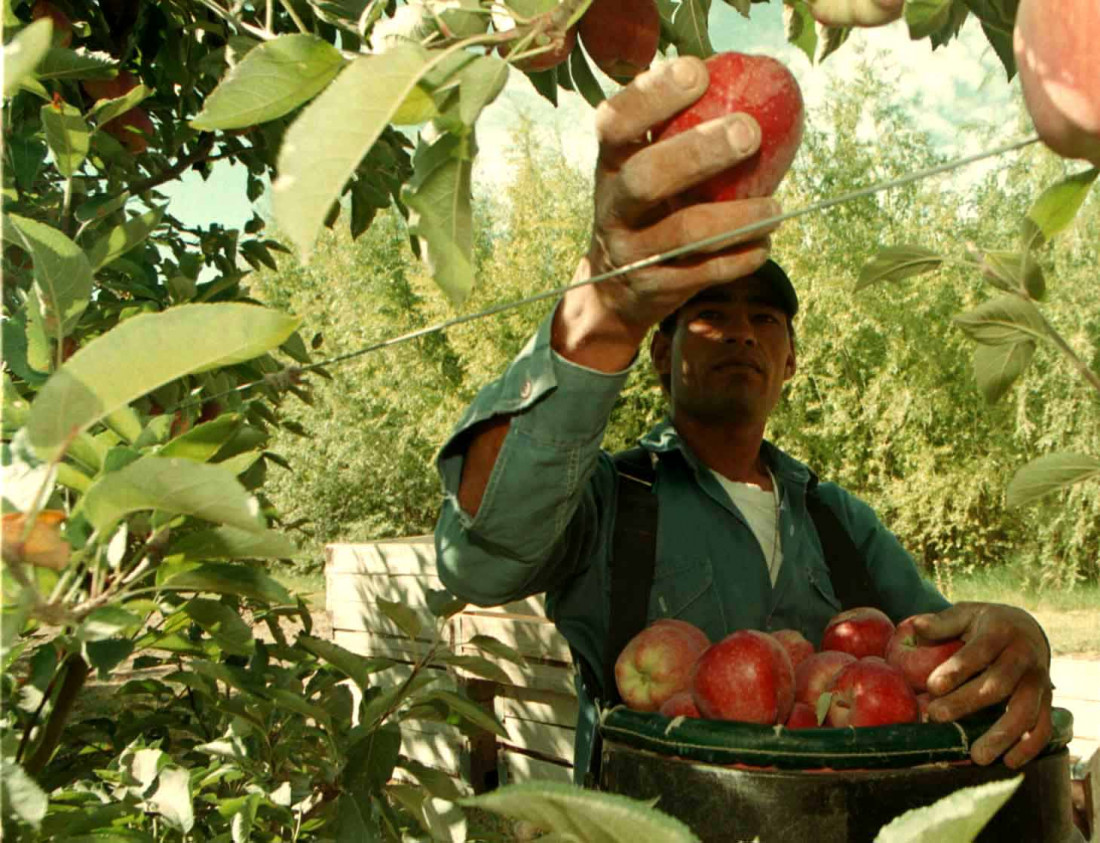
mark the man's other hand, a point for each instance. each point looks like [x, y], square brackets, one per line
[1006, 657]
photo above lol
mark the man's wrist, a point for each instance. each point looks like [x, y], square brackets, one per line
[589, 333]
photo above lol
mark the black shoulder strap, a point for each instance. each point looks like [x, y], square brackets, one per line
[848, 572]
[633, 557]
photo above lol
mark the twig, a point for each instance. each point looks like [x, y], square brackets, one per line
[75, 676]
[201, 152]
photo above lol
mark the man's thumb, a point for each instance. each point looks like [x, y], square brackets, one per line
[950, 623]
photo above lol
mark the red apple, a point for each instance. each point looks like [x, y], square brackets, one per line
[796, 645]
[680, 705]
[746, 676]
[871, 693]
[110, 89]
[763, 88]
[132, 129]
[802, 717]
[813, 676]
[863, 631]
[656, 664]
[688, 629]
[915, 658]
[1055, 48]
[621, 36]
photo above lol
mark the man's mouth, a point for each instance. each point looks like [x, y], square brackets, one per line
[739, 363]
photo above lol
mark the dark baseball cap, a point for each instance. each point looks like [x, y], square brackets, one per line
[773, 275]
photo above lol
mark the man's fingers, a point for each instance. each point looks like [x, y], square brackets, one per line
[969, 660]
[689, 276]
[666, 169]
[656, 95]
[950, 623]
[1025, 724]
[990, 685]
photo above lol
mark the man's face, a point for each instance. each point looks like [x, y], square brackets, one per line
[730, 355]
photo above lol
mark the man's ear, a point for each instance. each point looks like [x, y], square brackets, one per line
[660, 352]
[791, 367]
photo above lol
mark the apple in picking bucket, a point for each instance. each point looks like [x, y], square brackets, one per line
[763, 88]
[746, 676]
[916, 658]
[863, 631]
[680, 705]
[796, 645]
[813, 676]
[802, 716]
[869, 692]
[657, 663]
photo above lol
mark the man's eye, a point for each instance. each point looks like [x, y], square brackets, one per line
[710, 315]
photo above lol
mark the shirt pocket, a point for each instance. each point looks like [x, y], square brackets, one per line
[821, 585]
[684, 589]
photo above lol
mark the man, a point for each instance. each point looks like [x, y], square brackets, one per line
[530, 497]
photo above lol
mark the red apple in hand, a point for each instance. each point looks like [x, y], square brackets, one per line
[763, 88]
[746, 676]
[796, 645]
[813, 676]
[870, 692]
[680, 705]
[915, 658]
[802, 717]
[863, 631]
[657, 663]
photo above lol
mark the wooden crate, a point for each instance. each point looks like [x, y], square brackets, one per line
[1077, 688]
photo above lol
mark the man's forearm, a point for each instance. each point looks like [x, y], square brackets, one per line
[486, 440]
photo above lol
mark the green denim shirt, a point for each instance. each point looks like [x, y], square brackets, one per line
[546, 519]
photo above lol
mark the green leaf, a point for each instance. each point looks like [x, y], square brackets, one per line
[443, 604]
[1056, 208]
[101, 206]
[831, 39]
[67, 134]
[293, 702]
[271, 80]
[325, 144]
[480, 82]
[684, 23]
[391, 698]
[371, 760]
[801, 27]
[996, 367]
[351, 826]
[223, 624]
[563, 808]
[957, 817]
[997, 18]
[354, 666]
[225, 578]
[203, 441]
[1049, 474]
[1014, 271]
[62, 63]
[402, 615]
[466, 709]
[122, 238]
[231, 543]
[62, 275]
[22, 797]
[1003, 319]
[439, 197]
[152, 349]
[926, 16]
[172, 798]
[497, 648]
[106, 622]
[105, 656]
[584, 79]
[895, 263]
[473, 664]
[23, 54]
[436, 782]
[106, 110]
[181, 487]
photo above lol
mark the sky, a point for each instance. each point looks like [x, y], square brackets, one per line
[963, 81]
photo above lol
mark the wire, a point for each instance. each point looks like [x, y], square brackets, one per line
[816, 207]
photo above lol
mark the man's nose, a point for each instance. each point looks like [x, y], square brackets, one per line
[738, 330]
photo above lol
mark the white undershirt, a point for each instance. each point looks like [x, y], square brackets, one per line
[759, 509]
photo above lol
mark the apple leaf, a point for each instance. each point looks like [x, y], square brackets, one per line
[223, 578]
[584, 79]
[563, 808]
[895, 263]
[1056, 208]
[996, 367]
[62, 275]
[467, 709]
[354, 666]
[685, 24]
[830, 39]
[67, 135]
[122, 238]
[439, 198]
[22, 797]
[480, 82]
[1003, 319]
[958, 817]
[271, 80]
[925, 17]
[325, 144]
[821, 709]
[1049, 474]
[233, 543]
[172, 798]
[62, 63]
[24, 53]
[497, 648]
[106, 110]
[801, 27]
[177, 486]
[405, 618]
[997, 18]
[473, 664]
[223, 624]
[204, 440]
[153, 349]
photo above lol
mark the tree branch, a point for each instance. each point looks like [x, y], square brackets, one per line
[200, 153]
[75, 677]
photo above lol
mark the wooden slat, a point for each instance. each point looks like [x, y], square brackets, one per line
[559, 711]
[410, 589]
[518, 767]
[359, 618]
[382, 646]
[531, 637]
[412, 555]
[543, 738]
[1076, 679]
[434, 749]
[554, 676]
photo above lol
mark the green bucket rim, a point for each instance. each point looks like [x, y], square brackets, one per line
[870, 747]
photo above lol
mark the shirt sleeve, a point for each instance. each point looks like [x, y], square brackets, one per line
[539, 519]
[902, 589]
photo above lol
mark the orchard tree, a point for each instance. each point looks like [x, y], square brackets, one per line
[141, 385]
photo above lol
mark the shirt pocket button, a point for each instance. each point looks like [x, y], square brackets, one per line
[525, 390]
